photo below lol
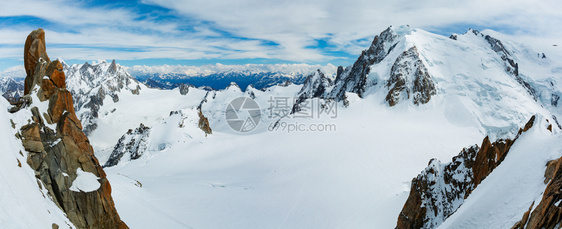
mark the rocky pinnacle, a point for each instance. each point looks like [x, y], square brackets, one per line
[57, 154]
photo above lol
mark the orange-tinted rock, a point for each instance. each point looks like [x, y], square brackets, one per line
[47, 90]
[60, 102]
[489, 157]
[548, 213]
[521, 224]
[31, 138]
[56, 155]
[413, 214]
[204, 124]
[56, 74]
[34, 51]
[477, 165]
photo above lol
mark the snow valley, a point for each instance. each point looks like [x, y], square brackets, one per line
[421, 131]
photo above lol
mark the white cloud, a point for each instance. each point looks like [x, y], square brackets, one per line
[85, 32]
[304, 21]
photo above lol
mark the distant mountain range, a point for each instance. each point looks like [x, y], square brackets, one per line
[219, 76]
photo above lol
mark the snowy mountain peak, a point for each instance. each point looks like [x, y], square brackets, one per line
[91, 83]
[354, 78]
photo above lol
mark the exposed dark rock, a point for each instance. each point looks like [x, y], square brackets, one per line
[440, 189]
[204, 124]
[409, 76]
[286, 83]
[339, 72]
[314, 86]
[184, 89]
[56, 155]
[132, 143]
[548, 213]
[354, 78]
[115, 98]
[250, 91]
[554, 99]
[436, 192]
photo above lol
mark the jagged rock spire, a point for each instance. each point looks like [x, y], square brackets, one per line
[35, 51]
[59, 155]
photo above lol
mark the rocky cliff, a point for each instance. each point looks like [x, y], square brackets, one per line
[548, 213]
[132, 144]
[409, 78]
[441, 188]
[58, 149]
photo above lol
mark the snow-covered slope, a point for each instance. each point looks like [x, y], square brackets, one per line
[24, 202]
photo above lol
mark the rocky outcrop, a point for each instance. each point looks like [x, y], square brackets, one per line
[314, 86]
[441, 188]
[184, 89]
[133, 144]
[354, 78]
[57, 147]
[203, 123]
[438, 191]
[409, 77]
[34, 51]
[548, 213]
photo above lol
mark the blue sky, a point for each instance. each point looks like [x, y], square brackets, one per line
[198, 32]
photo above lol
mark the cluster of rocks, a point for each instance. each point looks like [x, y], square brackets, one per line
[409, 77]
[315, 85]
[133, 143]
[57, 147]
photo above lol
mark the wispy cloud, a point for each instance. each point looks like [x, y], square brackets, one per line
[316, 31]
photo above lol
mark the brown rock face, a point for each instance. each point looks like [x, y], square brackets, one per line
[56, 155]
[34, 51]
[440, 189]
[548, 214]
[204, 124]
[489, 157]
